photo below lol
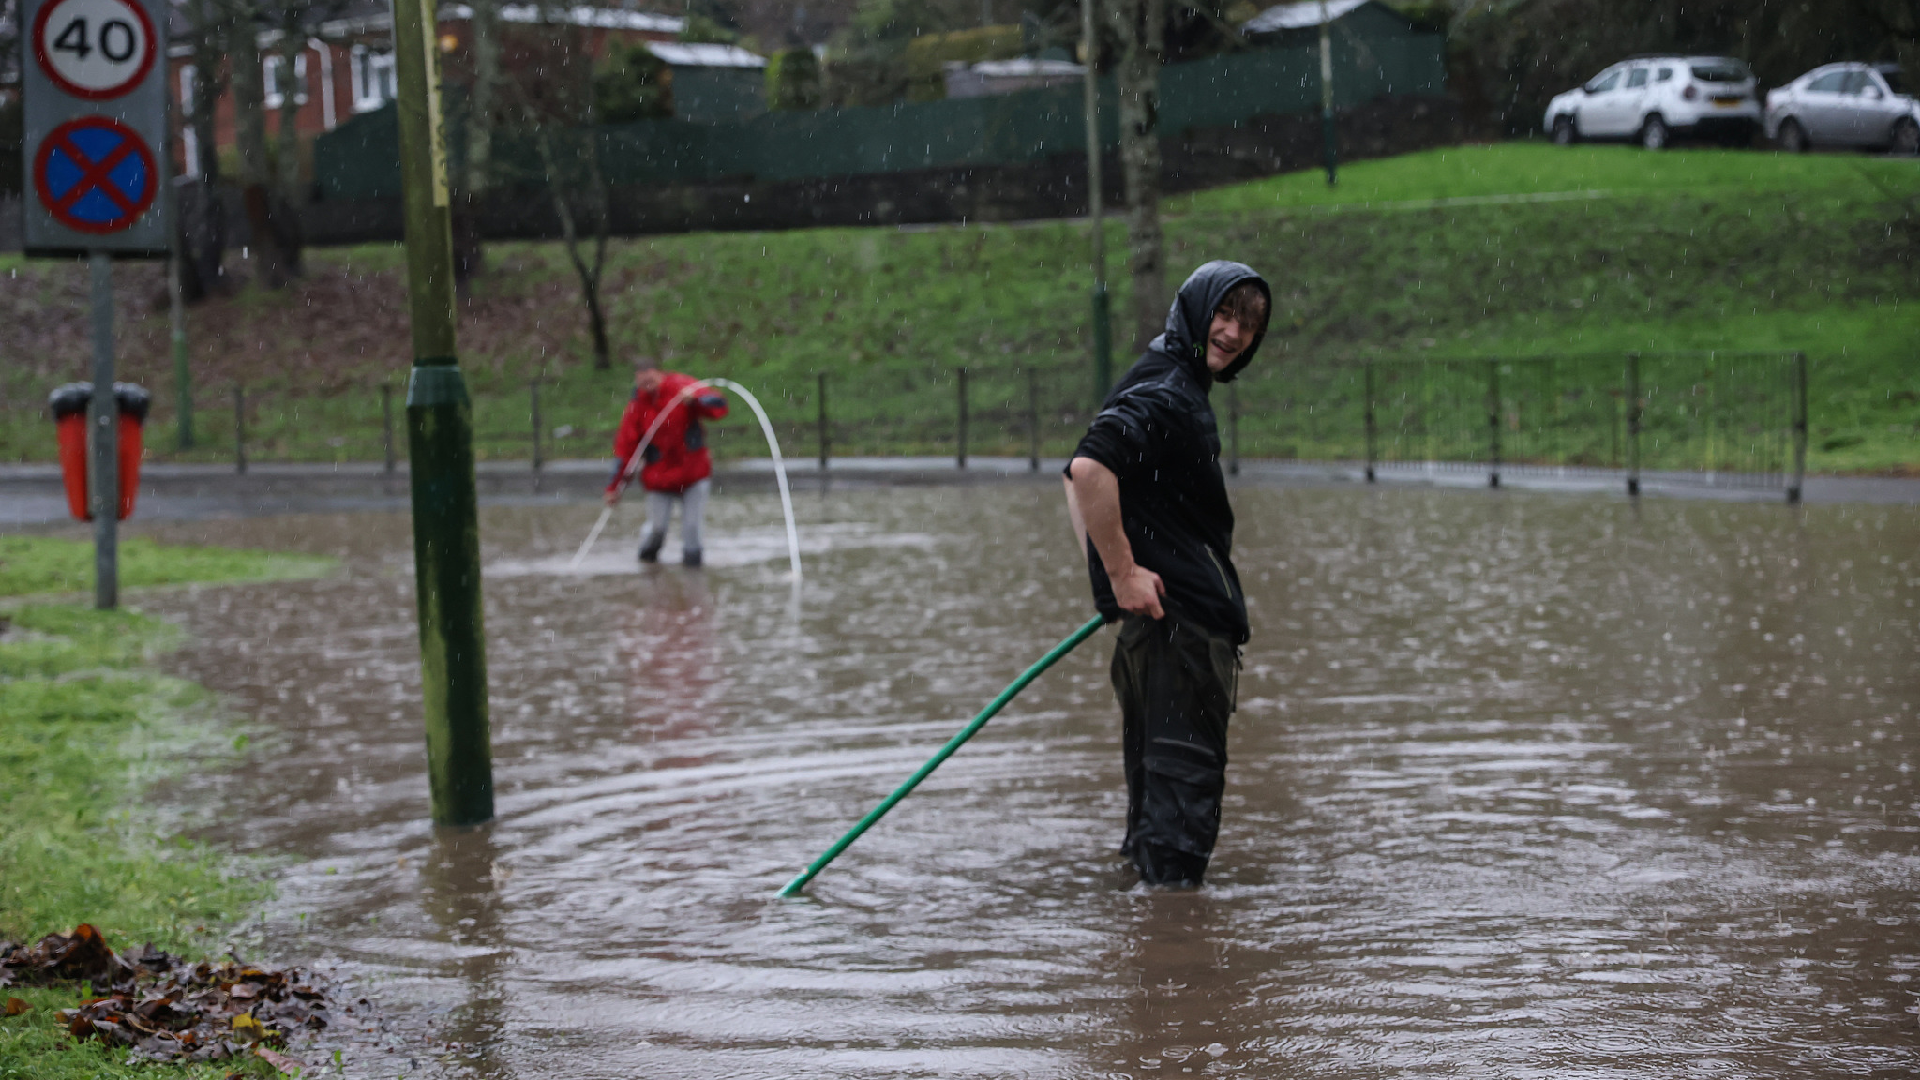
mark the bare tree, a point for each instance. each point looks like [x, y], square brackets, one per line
[202, 217]
[553, 88]
[1140, 28]
[247, 76]
[210, 19]
[288, 47]
[285, 195]
[578, 188]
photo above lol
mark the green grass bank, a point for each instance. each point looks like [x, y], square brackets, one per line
[1509, 249]
[86, 730]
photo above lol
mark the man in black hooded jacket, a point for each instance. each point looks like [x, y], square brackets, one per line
[1150, 508]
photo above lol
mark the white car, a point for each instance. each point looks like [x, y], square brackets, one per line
[1654, 99]
[1845, 105]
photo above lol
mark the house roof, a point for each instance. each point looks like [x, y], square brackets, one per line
[374, 16]
[601, 18]
[678, 54]
[1298, 16]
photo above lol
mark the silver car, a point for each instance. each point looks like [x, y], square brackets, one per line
[1861, 105]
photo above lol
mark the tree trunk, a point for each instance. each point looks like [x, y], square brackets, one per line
[202, 217]
[283, 210]
[589, 273]
[250, 139]
[1140, 26]
[287, 142]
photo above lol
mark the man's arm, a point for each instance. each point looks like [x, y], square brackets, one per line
[1093, 498]
[1073, 517]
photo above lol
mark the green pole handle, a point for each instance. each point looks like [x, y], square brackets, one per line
[793, 887]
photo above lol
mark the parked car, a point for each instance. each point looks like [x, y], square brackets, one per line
[1654, 99]
[1865, 105]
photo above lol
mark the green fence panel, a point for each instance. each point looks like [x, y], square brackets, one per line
[359, 160]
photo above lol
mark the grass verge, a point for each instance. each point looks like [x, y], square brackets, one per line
[85, 729]
[39, 564]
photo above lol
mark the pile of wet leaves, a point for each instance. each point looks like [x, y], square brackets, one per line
[162, 1007]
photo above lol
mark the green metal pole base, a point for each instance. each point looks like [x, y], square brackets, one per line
[446, 560]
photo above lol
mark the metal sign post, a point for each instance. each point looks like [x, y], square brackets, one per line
[1327, 133]
[1096, 213]
[95, 112]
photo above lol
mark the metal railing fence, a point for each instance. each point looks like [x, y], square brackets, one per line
[1736, 419]
[1732, 418]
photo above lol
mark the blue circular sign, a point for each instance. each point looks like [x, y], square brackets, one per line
[95, 175]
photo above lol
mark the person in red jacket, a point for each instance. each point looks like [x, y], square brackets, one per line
[676, 463]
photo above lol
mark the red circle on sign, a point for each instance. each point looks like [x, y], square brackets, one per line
[94, 176]
[46, 62]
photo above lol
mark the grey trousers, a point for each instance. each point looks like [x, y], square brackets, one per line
[693, 516]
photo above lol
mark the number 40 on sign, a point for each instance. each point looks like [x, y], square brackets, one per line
[94, 49]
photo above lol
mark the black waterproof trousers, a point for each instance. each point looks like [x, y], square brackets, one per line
[1177, 685]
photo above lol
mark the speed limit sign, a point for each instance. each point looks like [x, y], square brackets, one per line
[95, 104]
[94, 49]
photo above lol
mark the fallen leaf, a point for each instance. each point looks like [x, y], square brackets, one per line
[279, 1061]
[248, 1028]
[15, 1006]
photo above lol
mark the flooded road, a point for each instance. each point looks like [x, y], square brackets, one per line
[1521, 785]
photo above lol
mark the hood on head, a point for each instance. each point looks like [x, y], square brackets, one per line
[1191, 316]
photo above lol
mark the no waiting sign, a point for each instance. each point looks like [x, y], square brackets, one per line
[95, 107]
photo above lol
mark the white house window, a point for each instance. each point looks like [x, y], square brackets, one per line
[274, 71]
[373, 81]
[189, 138]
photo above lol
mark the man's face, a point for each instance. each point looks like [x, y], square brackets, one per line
[647, 380]
[1226, 340]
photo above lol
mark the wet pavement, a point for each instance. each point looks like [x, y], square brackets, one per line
[31, 495]
[1522, 785]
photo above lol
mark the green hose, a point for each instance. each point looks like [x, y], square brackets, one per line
[793, 887]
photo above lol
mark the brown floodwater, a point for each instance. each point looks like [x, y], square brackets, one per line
[1521, 785]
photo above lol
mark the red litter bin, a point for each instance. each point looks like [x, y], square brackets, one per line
[69, 404]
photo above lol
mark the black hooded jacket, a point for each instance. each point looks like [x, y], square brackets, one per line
[1156, 432]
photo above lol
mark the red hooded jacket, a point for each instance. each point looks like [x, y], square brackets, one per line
[677, 457]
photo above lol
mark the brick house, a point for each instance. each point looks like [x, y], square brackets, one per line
[347, 67]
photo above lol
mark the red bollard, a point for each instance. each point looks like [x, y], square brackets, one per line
[131, 424]
[69, 405]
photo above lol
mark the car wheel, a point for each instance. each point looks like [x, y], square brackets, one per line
[1563, 133]
[1654, 134]
[1906, 137]
[1793, 137]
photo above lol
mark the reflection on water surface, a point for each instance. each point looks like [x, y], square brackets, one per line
[1521, 786]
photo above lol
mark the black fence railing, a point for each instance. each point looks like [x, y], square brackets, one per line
[1719, 417]
[1730, 418]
